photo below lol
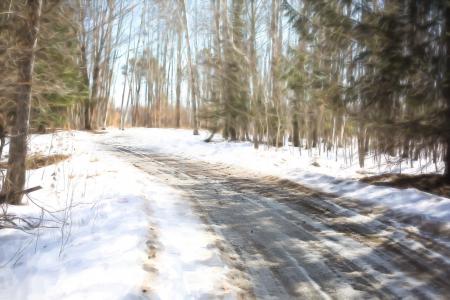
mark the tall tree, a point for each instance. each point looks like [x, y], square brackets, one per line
[27, 38]
[179, 78]
[193, 85]
[446, 89]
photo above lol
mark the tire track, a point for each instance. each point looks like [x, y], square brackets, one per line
[297, 242]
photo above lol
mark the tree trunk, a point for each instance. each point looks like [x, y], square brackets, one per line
[361, 146]
[446, 92]
[2, 145]
[255, 103]
[121, 126]
[191, 68]
[178, 87]
[447, 161]
[86, 106]
[276, 40]
[295, 132]
[94, 96]
[27, 36]
[2, 134]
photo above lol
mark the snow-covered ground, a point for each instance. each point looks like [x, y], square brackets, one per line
[326, 172]
[110, 231]
[101, 223]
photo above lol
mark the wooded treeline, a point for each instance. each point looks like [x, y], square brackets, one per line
[369, 75]
[330, 74]
[366, 75]
[57, 61]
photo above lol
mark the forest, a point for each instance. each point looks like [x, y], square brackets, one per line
[307, 105]
[368, 75]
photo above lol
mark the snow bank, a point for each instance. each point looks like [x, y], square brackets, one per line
[111, 231]
[329, 175]
[101, 221]
[91, 240]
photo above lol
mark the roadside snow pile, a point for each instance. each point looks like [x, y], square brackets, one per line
[96, 214]
[327, 174]
[90, 243]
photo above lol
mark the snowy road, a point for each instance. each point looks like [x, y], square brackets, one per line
[282, 240]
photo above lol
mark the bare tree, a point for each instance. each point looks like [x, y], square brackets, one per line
[95, 35]
[179, 78]
[193, 85]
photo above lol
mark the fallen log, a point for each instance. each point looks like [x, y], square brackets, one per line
[3, 197]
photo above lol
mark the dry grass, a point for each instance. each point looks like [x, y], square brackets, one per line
[37, 161]
[97, 131]
[431, 183]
